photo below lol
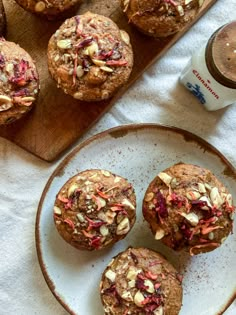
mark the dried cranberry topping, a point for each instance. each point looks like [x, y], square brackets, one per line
[160, 206]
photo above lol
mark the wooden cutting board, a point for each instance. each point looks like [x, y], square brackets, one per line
[57, 119]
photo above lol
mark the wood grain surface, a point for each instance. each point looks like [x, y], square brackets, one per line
[58, 120]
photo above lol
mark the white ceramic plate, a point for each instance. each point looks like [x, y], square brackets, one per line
[137, 152]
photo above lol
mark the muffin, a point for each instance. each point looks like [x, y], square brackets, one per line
[187, 207]
[89, 57]
[160, 18]
[51, 9]
[2, 20]
[141, 281]
[94, 209]
[19, 84]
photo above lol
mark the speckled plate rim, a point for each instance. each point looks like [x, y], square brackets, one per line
[117, 132]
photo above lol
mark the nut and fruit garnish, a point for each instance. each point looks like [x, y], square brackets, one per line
[95, 209]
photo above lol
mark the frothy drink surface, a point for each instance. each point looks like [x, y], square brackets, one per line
[224, 51]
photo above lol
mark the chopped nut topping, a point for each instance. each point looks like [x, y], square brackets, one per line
[191, 217]
[57, 210]
[106, 173]
[72, 189]
[132, 273]
[125, 37]
[126, 295]
[201, 188]
[106, 69]
[193, 195]
[160, 233]
[215, 197]
[5, 103]
[111, 275]
[127, 203]
[40, 6]
[159, 311]
[123, 227]
[149, 196]
[80, 217]
[165, 178]
[64, 44]
[104, 230]
[138, 299]
[150, 286]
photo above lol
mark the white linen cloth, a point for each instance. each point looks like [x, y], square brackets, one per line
[156, 97]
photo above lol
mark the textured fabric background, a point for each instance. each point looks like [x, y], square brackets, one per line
[156, 97]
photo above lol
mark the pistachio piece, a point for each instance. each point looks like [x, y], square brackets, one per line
[165, 178]
[111, 275]
[64, 44]
[57, 210]
[40, 6]
[138, 299]
[149, 196]
[125, 37]
[186, 2]
[123, 227]
[160, 233]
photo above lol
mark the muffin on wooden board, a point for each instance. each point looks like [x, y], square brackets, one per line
[2, 20]
[141, 281]
[19, 82]
[160, 18]
[90, 57]
[95, 208]
[187, 207]
[50, 9]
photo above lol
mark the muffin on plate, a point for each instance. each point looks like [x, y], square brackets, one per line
[51, 9]
[141, 281]
[94, 209]
[2, 20]
[90, 57]
[160, 18]
[187, 207]
[19, 84]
